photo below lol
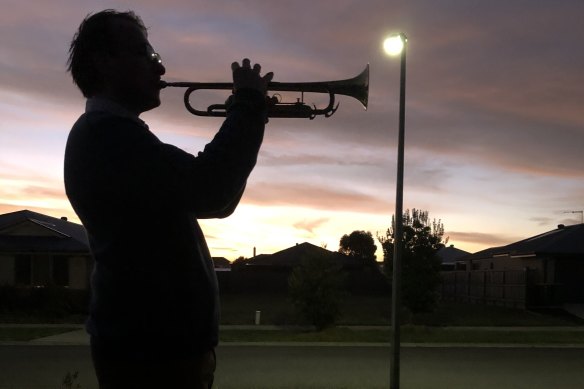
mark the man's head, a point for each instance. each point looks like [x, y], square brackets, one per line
[110, 56]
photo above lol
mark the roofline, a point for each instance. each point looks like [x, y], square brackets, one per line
[44, 224]
[500, 251]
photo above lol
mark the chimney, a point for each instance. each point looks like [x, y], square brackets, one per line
[561, 226]
[254, 251]
[64, 218]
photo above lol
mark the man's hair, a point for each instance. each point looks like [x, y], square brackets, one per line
[94, 36]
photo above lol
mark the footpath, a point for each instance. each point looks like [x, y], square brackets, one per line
[79, 337]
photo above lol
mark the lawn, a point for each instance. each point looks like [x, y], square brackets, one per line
[362, 310]
[22, 334]
[375, 311]
[409, 334]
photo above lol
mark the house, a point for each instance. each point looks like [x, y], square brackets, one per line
[293, 256]
[546, 270]
[270, 272]
[221, 264]
[449, 256]
[40, 250]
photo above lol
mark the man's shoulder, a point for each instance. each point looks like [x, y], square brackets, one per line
[102, 129]
[104, 119]
[106, 126]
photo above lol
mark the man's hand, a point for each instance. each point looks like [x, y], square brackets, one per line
[246, 77]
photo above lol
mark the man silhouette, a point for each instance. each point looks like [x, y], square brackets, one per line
[154, 307]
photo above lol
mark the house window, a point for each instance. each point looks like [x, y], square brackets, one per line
[61, 270]
[23, 270]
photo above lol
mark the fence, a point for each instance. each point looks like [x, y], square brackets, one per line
[495, 287]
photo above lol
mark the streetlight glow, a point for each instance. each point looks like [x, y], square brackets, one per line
[394, 45]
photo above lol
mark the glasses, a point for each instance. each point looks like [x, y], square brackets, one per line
[146, 51]
[155, 57]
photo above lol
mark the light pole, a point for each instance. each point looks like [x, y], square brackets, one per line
[396, 45]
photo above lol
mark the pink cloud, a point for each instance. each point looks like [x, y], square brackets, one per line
[311, 196]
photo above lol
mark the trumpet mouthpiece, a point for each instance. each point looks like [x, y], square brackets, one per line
[162, 84]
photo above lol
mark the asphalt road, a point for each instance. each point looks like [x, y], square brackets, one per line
[246, 367]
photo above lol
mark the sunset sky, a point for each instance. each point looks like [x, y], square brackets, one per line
[494, 112]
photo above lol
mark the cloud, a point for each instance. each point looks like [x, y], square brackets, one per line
[299, 194]
[481, 238]
[310, 225]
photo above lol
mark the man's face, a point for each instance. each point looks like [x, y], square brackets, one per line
[132, 73]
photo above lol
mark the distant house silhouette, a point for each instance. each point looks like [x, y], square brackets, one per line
[40, 250]
[449, 256]
[268, 273]
[293, 256]
[546, 270]
[221, 264]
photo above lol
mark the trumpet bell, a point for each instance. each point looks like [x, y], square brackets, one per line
[356, 87]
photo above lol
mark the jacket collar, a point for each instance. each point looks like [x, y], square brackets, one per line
[100, 104]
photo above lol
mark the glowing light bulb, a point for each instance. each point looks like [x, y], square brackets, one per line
[393, 45]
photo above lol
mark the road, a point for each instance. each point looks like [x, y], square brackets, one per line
[246, 367]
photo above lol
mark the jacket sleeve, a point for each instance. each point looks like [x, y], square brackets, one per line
[157, 176]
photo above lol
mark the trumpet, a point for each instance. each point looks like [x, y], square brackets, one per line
[356, 87]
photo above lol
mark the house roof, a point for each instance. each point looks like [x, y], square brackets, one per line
[293, 256]
[221, 262]
[28, 231]
[450, 254]
[564, 240]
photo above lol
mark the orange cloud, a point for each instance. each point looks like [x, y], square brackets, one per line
[312, 196]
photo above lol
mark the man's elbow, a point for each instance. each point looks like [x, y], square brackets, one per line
[223, 208]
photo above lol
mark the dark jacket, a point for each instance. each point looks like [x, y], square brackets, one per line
[139, 199]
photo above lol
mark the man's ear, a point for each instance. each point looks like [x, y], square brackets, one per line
[104, 64]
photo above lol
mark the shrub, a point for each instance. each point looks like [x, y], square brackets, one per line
[316, 290]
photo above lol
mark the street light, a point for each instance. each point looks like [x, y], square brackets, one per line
[396, 45]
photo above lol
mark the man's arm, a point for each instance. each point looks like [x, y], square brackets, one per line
[211, 184]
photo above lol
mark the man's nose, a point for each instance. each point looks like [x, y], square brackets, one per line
[160, 69]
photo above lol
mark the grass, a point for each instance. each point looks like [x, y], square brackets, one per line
[357, 311]
[375, 310]
[20, 334]
[409, 334]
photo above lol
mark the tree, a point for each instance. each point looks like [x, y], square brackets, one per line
[420, 263]
[239, 263]
[359, 244]
[316, 290]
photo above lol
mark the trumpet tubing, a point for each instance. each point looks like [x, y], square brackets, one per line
[356, 87]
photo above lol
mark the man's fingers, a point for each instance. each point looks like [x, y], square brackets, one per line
[268, 77]
[245, 76]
